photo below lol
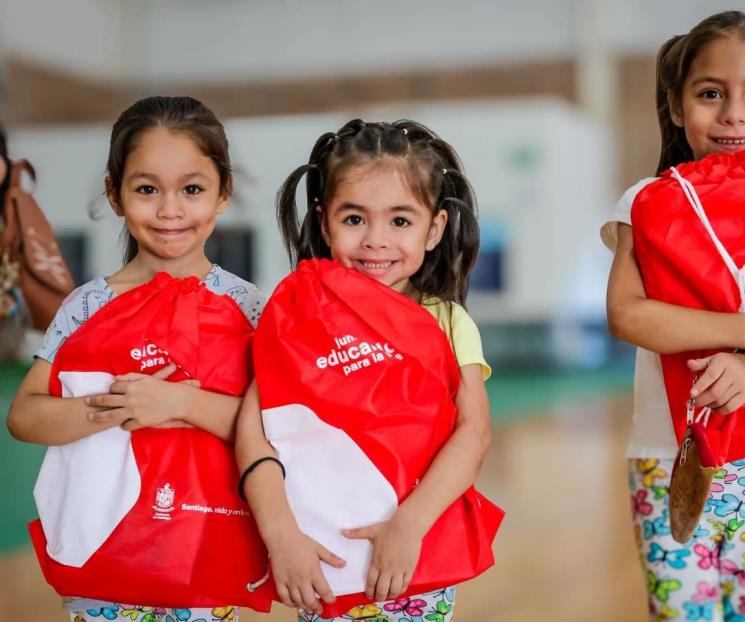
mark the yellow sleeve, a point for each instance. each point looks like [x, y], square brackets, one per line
[461, 331]
[466, 340]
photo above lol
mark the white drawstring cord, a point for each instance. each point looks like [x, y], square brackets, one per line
[252, 587]
[693, 199]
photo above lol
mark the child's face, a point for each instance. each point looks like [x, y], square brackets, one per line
[712, 109]
[170, 196]
[376, 225]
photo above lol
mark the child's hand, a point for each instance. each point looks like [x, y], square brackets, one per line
[396, 548]
[142, 401]
[721, 385]
[296, 568]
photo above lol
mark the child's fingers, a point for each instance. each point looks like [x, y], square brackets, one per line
[115, 415]
[130, 377]
[310, 600]
[360, 533]
[735, 402]
[407, 581]
[322, 588]
[371, 582]
[192, 382]
[698, 365]
[119, 387]
[383, 586]
[397, 585]
[713, 394]
[162, 374]
[717, 395]
[107, 400]
[284, 595]
[713, 372]
[296, 598]
[130, 424]
[330, 558]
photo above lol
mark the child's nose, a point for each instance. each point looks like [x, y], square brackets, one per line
[733, 112]
[170, 206]
[375, 238]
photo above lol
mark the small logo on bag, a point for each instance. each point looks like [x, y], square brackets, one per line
[164, 503]
[150, 356]
[351, 354]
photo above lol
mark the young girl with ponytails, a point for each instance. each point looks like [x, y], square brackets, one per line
[390, 202]
[674, 251]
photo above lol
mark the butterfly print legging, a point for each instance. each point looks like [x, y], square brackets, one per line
[434, 606]
[703, 579]
[111, 612]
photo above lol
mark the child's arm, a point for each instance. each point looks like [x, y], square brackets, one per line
[37, 417]
[397, 542]
[151, 401]
[295, 558]
[659, 326]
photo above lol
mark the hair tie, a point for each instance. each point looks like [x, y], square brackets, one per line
[405, 131]
[444, 171]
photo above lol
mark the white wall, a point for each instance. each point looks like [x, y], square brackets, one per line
[86, 37]
[538, 167]
[185, 40]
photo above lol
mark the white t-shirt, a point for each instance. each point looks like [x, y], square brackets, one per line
[652, 434]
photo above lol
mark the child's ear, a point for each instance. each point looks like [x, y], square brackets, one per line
[226, 194]
[324, 227]
[113, 197]
[436, 229]
[676, 112]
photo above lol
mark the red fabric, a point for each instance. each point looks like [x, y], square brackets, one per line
[680, 265]
[191, 558]
[399, 412]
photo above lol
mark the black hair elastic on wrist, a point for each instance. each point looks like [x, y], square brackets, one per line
[251, 467]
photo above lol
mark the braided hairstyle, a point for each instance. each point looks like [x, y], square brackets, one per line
[673, 64]
[435, 176]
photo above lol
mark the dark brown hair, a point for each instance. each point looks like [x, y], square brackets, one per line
[673, 63]
[434, 173]
[184, 115]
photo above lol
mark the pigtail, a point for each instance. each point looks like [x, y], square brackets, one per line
[446, 268]
[287, 213]
[674, 147]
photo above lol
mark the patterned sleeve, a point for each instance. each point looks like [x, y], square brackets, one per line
[72, 314]
[466, 340]
[246, 295]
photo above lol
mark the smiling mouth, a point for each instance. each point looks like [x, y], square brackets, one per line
[169, 231]
[737, 142]
[375, 265]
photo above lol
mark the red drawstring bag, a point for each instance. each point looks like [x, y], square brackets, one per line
[153, 516]
[688, 238]
[357, 386]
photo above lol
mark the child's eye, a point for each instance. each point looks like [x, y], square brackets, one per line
[710, 94]
[193, 189]
[353, 220]
[145, 189]
[400, 221]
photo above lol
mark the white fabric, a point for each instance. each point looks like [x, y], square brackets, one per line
[331, 485]
[652, 434]
[85, 488]
[738, 274]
